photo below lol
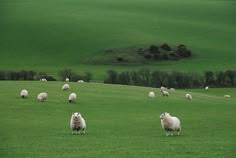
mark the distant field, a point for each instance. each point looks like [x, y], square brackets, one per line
[50, 35]
[122, 122]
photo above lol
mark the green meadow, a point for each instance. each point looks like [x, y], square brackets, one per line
[51, 35]
[122, 121]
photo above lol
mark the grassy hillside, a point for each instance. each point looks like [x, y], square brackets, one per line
[49, 35]
[122, 122]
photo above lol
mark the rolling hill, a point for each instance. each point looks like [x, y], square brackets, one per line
[50, 35]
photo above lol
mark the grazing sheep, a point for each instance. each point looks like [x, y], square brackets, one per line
[65, 87]
[43, 80]
[164, 93]
[163, 88]
[206, 88]
[172, 89]
[67, 79]
[227, 96]
[42, 96]
[188, 96]
[80, 81]
[170, 124]
[24, 93]
[77, 123]
[151, 94]
[72, 97]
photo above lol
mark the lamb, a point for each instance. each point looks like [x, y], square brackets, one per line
[188, 96]
[77, 123]
[151, 94]
[72, 97]
[170, 124]
[67, 79]
[43, 80]
[65, 87]
[42, 96]
[24, 93]
[164, 93]
[227, 96]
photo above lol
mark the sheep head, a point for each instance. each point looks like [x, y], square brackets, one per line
[164, 115]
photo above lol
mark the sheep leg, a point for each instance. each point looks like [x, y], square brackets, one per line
[167, 133]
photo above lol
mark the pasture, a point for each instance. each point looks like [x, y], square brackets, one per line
[122, 121]
[51, 35]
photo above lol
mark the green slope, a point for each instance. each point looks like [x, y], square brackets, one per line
[122, 121]
[49, 35]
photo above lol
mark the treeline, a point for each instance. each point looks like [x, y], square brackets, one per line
[32, 75]
[173, 79]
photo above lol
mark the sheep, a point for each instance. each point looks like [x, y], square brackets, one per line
[151, 94]
[170, 124]
[188, 96]
[206, 88]
[164, 93]
[42, 96]
[72, 97]
[80, 81]
[227, 96]
[163, 88]
[67, 79]
[172, 89]
[24, 93]
[65, 87]
[77, 123]
[43, 80]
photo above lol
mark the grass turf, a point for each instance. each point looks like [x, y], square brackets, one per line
[122, 121]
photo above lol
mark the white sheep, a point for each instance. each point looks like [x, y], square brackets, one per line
[42, 96]
[188, 96]
[163, 88]
[227, 96]
[164, 93]
[24, 93]
[77, 123]
[80, 81]
[65, 87]
[206, 88]
[72, 97]
[172, 89]
[67, 79]
[151, 94]
[43, 80]
[170, 124]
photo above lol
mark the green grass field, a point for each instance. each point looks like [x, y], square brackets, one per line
[51, 35]
[122, 121]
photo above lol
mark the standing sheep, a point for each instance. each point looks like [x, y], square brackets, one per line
[164, 93]
[72, 97]
[80, 81]
[42, 96]
[67, 79]
[151, 94]
[43, 80]
[188, 96]
[24, 93]
[170, 124]
[65, 87]
[206, 88]
[77, 123]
